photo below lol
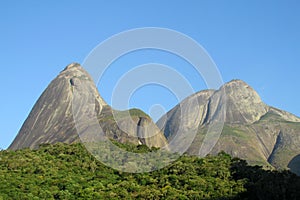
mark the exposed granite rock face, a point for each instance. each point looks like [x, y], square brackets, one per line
[196, 106]
[137, 129]
[149, 133]
[51, 120]
[252, 130]
[243, 104]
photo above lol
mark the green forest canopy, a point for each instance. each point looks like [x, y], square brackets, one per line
[64, 171]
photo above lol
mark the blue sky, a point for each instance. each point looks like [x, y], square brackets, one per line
[256, 41]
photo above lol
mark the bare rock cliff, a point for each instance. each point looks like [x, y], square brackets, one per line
[252, 130]
[52, 118]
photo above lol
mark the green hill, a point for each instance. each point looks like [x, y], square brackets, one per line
[64, 171]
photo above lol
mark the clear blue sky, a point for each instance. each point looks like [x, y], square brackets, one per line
[256, 41]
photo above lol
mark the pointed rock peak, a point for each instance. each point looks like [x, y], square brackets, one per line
[72, 66]
[240, 88]
[75, 71]
[73, 96]
[237, 83]
[52, 118]
[243, 104]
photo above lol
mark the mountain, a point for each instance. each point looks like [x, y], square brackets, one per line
[252, 130]
[232, 119]
[66, 100]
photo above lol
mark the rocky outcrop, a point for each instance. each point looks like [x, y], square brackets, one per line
[133, 126]
[52, 118]
[243, 104]
[182, 116]
[252, 130]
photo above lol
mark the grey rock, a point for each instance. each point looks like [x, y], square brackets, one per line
[73, 97]
[252, 130]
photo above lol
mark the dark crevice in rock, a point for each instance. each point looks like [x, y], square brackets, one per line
[205, 121]
[140, 130]
[72, 82]
[277, 143]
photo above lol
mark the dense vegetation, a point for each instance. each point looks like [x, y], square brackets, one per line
[63, 171]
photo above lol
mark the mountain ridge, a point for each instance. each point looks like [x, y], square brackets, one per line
[71, 94]
[252, 130]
